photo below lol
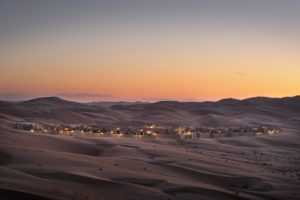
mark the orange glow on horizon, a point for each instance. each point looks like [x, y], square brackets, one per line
[129, 63]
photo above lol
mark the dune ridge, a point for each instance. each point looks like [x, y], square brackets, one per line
[41, 166]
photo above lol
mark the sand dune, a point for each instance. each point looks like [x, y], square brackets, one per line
[224, 112]
[40, 166]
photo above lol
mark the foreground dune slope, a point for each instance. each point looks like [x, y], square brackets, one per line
[37, 166]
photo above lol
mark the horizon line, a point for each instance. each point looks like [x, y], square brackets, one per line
[145, 101]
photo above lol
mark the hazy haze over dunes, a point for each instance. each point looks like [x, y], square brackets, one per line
[226, 112]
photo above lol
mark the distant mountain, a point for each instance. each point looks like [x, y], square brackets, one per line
[111, 103]
[226, 112]
[56, 101]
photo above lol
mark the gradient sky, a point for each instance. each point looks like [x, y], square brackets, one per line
[149, 50]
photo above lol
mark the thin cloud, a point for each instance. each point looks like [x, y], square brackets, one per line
[82, 95]
[172, 99]
[241, 74]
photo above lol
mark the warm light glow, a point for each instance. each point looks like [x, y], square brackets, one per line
[199, 50]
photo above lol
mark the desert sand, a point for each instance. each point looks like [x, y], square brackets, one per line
[43, 166]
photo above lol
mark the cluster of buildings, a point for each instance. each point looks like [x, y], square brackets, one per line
[151, 130]
[91, 130]
[218, 132]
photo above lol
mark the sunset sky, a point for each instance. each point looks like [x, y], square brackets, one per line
[188, 50]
